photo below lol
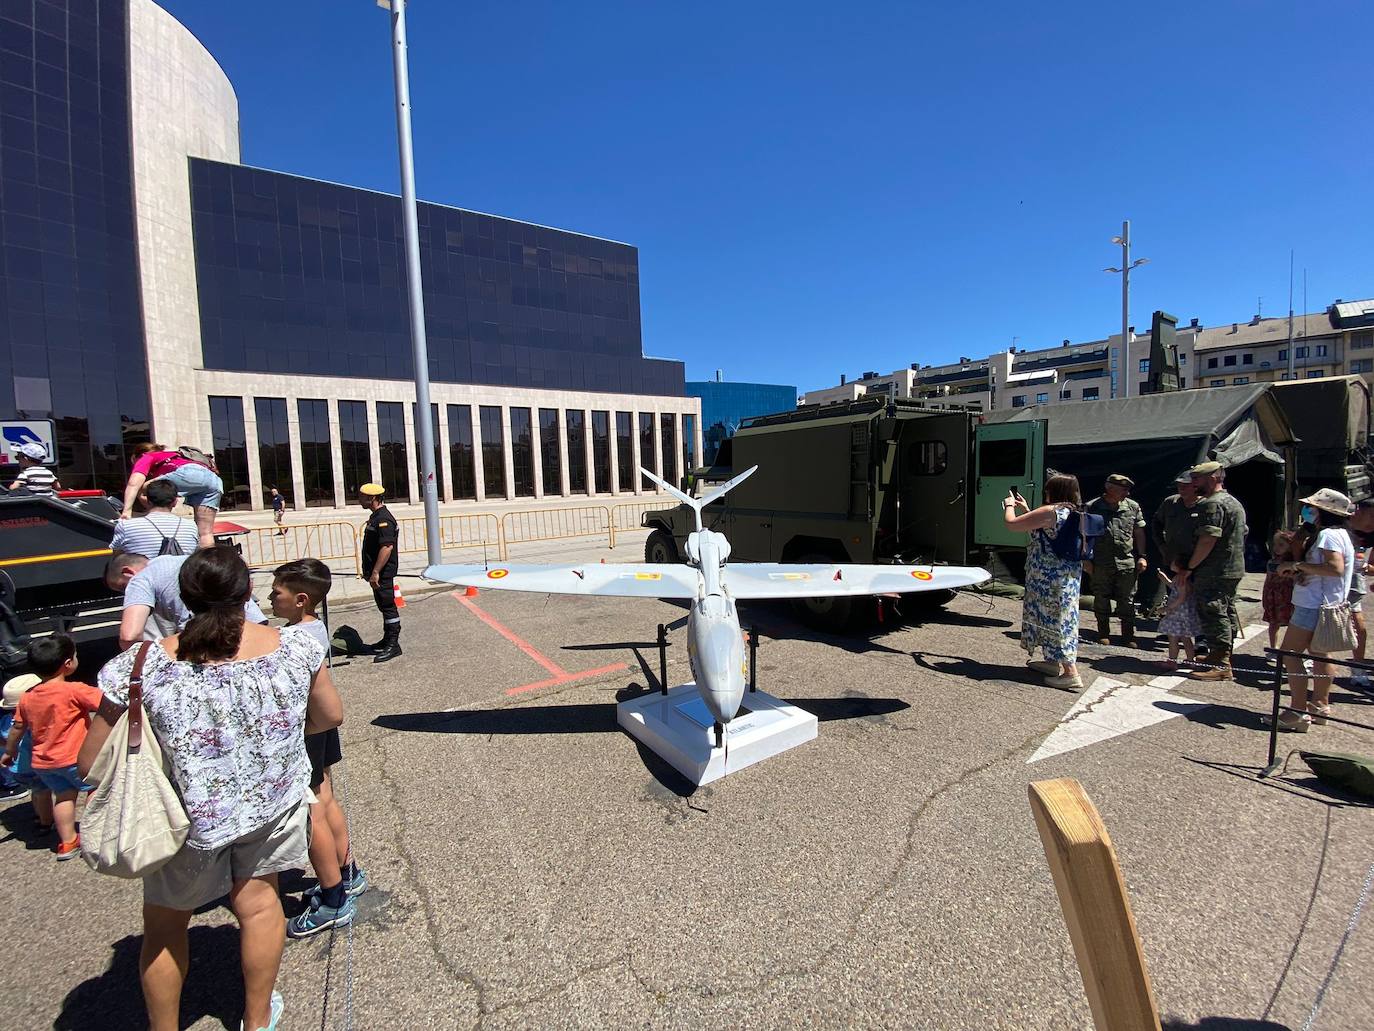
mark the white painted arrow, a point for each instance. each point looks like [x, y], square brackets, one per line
[1110, 708]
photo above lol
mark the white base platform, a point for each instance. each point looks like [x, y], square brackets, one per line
[678, 728]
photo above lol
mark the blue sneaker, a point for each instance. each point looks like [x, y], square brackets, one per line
[352, 888]
[320, 917]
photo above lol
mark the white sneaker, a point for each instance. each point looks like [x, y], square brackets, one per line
[278, 1004]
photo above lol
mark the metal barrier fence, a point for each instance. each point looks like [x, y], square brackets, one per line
[479, 530]
[557, 523]
[629, 516]
[265, 547]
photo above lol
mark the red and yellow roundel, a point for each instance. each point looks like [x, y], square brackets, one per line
[497, 574]
[921, 574]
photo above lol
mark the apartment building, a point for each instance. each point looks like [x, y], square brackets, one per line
[1336, 341]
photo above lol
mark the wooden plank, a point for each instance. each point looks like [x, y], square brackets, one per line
[1096, 907]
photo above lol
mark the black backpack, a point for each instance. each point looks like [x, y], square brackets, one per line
[1077, 538]
[170, 545]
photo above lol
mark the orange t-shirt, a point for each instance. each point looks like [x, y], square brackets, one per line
[55, 714]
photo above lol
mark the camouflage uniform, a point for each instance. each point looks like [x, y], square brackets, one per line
[1174, 530]
[1217, 580]
[1113, 577]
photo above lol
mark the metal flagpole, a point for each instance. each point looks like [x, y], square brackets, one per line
[424, 428]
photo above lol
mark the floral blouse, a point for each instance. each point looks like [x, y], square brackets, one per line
[233, 732]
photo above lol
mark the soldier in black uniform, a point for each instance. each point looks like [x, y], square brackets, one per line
[379, 568]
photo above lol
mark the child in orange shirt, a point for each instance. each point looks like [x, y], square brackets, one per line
[57, 715]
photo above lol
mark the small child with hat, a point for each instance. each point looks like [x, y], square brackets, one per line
[18, 779]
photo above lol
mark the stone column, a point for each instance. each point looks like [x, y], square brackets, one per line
[508, 451]
[336, 453]
[250, 445]
[479, 476]
[536, 451]
[445, 454]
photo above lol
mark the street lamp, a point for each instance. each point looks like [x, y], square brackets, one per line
[1124, 240]
[424, 428]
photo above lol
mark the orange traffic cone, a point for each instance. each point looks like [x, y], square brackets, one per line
[470, 592]
[400, 599]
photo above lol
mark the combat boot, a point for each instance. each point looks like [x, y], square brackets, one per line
[1216, 665]
[390, 646]
[1128, 633]
[1104, 631]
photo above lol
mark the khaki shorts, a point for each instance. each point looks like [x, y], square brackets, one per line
[196, 876]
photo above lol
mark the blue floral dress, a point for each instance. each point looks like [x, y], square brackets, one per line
[1049, 614]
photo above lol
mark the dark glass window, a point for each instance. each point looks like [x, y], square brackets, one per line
[274, 449]
[355, 447]
[493, 451]
[550, 451]
[648, 455]
[601, 451]
[391, 446]
[522, 451]
[577, 452]
[438, 450]
[71, 325]
[624, 449]
[317, 458]
[931, 458]
[300, 276]
[995, 458]
[689, 442]
[231, 450]
[460, 451]
[669, 447]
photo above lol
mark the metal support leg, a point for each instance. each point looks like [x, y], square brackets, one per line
[1273, 766]
[720, 735]
[662, 658]
[753, 659]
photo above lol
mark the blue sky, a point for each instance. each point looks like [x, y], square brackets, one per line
[826, 188]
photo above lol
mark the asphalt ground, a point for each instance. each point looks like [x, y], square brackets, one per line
[532, 867]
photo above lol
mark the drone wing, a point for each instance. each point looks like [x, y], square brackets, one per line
[617, 580]
[785, 580]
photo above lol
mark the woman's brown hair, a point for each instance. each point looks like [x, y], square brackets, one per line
[214, 585]
[147, 446]
[1062, 489]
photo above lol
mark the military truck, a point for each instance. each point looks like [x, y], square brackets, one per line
[872, 480]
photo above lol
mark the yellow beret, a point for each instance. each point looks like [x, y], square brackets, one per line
[372, 490]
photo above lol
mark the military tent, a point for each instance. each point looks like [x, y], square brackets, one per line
[1155, 437]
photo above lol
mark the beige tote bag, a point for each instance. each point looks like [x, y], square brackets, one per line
[134, 821]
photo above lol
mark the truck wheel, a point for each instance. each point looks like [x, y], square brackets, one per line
[660, 547]
[832, 613]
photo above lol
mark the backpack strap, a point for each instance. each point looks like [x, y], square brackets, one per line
[135, 711]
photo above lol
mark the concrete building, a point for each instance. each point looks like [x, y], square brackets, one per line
[1337, 341]
[155, 288]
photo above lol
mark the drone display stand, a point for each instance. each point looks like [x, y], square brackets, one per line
[675, 725]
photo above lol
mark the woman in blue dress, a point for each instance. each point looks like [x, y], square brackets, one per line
[1049, 617]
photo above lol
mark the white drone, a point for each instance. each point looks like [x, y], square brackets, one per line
[715, 643]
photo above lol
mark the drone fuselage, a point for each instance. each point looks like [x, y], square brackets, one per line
[715, 642]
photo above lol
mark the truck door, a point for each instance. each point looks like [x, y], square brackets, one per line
[1007, 456]
[931, 477]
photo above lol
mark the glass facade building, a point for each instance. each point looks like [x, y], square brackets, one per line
[154, 288]
[301, 276]
[725, 405]
[72, 348]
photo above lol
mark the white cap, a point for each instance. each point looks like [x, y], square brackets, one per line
[16, 686]
[33, 450]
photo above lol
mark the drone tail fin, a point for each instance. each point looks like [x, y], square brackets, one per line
[697, 504]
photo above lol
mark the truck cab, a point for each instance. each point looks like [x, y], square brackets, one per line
[873, 480]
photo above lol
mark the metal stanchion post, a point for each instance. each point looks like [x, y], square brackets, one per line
[1273, 765]
[753, 659]
[663, 658]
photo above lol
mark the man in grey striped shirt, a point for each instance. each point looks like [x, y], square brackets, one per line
[33, 474]
[158, 532]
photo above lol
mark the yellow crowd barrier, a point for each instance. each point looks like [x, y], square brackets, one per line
[265, 547]
[550, 524]
[477, 530]
[630, 516]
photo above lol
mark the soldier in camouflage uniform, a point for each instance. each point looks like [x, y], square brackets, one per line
[1216, 568]
[1118, 558]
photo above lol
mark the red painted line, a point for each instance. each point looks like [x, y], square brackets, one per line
[567, 678]
[512, 637]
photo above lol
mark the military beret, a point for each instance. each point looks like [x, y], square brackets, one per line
[1206, 469]
[1118, 480]
[372, 490]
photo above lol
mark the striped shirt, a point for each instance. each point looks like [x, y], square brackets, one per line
[38, 479]
[144, 536]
